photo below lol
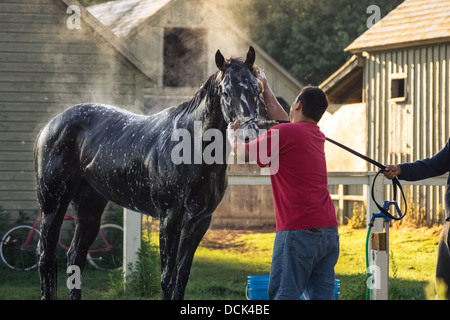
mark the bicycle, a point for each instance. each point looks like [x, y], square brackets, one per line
[19, 244]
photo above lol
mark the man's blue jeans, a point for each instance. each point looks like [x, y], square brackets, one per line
[303, 263]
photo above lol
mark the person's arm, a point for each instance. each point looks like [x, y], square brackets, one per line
[421, 169]
[273, 108]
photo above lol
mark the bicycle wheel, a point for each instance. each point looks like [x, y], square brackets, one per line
[106, 253]
[18, 247]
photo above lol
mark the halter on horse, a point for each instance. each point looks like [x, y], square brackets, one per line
[91, 154]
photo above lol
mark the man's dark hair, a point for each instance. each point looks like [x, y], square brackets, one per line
[314, 101]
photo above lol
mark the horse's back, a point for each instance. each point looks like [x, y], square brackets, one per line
[125, 157]
[67, 141]
[107, 147]
[88, 118]
[56, 140]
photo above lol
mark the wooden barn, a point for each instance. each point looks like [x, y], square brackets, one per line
[400, 71]
[142, 55]
[178, 39]
[48, 64]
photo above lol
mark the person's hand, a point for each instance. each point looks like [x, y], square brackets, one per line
[392, 171]
[259, 73]
[234, 125]
[231, 131]
[261, 76]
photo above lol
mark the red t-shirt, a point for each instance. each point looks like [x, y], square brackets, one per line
[298, 174]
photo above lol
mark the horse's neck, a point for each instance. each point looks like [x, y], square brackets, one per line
[208, 112]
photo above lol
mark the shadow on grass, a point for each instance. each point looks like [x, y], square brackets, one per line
[221, 278]
[207, 283]
[25, 285]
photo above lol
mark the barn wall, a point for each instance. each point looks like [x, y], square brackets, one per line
[148, 43]
[416, 127]
[347, 125]
[45, 68]
[245, 207]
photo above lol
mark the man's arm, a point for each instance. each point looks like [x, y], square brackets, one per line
[274, 110]
[422, 169]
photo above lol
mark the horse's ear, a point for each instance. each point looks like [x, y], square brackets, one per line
[251, 56]
[220, 61]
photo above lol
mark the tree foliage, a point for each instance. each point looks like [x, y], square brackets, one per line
[308, 37]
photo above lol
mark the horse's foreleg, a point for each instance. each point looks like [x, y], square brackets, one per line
[89, 206]
[169, 236]
[192, 233]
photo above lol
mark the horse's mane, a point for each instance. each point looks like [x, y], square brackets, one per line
[236, 62]
[205, 89]
[208, 86]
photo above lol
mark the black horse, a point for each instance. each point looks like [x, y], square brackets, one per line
[91, 154]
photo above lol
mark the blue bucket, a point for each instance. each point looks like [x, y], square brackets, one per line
[258, 286]
[337, 286]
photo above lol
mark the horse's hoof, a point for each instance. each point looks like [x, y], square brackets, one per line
[75, 294]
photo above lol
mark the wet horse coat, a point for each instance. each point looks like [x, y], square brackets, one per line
[91, 154]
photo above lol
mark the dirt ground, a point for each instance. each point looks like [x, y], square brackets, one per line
[223, 238]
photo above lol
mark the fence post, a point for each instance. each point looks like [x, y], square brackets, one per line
[341, 203]
[131, 238]
[378, 259]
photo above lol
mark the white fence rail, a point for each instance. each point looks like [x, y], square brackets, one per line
[342, 179]
[334, 178]
[132, 220]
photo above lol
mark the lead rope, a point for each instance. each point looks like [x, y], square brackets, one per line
[395, 183]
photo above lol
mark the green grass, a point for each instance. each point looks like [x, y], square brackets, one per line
[219, 274]
[222, 273]
[24, 285]
[412, 262]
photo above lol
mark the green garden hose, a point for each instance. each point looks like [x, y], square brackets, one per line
[367, 262]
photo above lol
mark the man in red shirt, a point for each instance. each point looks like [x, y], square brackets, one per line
[306, 246]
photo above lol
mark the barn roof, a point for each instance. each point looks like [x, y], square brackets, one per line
[116, 42]
[123, 16]
[345, 85]
[412, 23]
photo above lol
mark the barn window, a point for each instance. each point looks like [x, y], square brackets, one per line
[184, 57]
[398, 87]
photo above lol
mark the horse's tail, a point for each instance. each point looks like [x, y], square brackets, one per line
[56, 277]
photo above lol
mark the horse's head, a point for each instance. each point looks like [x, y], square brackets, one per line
[239, 92]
